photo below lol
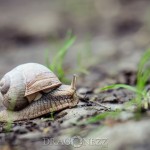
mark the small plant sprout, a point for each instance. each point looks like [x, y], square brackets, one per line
[143, 74]
[142, 98]
[56, 65]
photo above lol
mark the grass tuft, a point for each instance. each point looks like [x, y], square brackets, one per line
[56, 65]
[142, 78]
[142, 96]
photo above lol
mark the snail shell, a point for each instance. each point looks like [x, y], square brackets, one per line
[31, 90]
[22, 85]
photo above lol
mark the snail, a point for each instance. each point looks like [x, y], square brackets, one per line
[31, 90]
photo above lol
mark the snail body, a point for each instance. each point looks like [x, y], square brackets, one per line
[32, 90]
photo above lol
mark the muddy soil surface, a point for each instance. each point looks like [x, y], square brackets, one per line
[70, 126]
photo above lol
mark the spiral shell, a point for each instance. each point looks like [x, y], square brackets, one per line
[24, 83]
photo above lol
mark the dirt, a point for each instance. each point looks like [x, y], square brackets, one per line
[42, 132]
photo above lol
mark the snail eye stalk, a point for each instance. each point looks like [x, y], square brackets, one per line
[74, 81]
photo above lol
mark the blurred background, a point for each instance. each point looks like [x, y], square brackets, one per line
[110, 37]
[115, 32]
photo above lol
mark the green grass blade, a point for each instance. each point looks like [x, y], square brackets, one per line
[142, 70]
[56, 64]
[116, 86]
[142, 76]
[103, 116]
[62, 52]
[145, 58]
